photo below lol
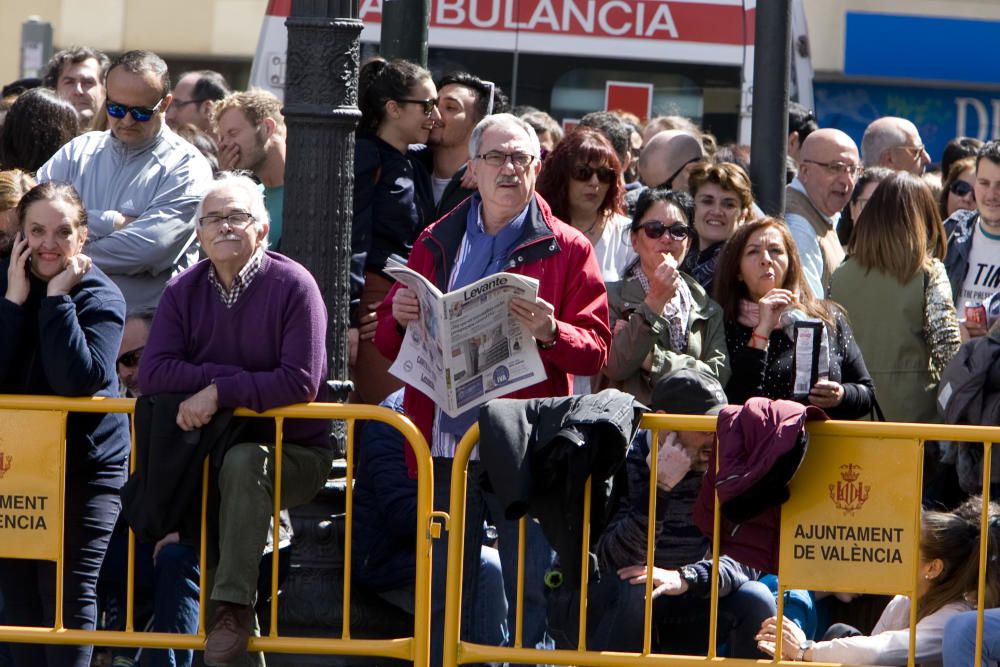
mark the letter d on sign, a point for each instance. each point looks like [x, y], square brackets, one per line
[962, 105]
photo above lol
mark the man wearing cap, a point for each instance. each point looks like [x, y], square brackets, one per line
[681, 574]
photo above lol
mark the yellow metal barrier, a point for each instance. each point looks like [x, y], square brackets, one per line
[414, 648]
[902, 440]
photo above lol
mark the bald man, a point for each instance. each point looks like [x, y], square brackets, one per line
[894, 143]
[668, 157]
[829, 166]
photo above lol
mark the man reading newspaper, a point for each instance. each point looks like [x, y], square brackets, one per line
[505, 227]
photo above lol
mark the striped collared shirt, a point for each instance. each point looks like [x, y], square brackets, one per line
[241, 282]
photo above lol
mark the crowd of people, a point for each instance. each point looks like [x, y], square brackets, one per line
[141, 226]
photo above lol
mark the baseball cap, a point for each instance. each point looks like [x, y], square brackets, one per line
[689, 391]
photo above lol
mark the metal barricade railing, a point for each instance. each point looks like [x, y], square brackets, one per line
[414, 648]
[457, 651]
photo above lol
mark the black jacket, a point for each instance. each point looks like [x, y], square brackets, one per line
[163, 494]
[538, 454]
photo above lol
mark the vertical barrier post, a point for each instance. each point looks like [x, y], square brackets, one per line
[279, 423]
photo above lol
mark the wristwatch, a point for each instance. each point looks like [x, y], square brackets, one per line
[803, 647]
[689, 575]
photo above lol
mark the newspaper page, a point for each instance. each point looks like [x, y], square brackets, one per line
[466, 348]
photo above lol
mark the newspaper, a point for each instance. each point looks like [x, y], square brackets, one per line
[466, 348]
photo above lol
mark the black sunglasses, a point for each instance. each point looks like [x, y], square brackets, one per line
[960, 188]
[583, 172]
[428, 104]
[654, 229]
[141, 114]
[131, 358]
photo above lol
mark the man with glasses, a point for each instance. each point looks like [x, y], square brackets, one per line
[134, 337]
[973, 257]
[195, 93]
[244, 328]
[829, 166]
[251, 131]
[506, 226]
[139, 182]
[894, 143]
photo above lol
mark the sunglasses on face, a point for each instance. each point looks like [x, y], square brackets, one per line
[584, 172]
[131, 358]
[960, 189]
[141, 114]
[428, 104]
[654, 229]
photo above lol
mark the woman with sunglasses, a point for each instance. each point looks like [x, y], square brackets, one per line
[722, 202]
[762, 291]
[61, 322]
[582, 182]
[958, 190]
[662, 320]
[393, 200]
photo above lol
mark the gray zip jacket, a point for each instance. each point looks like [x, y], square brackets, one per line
[159, 183]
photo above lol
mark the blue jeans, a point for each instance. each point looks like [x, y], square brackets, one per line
[29, 586]
[484, 607]
[167, 591]
[538, 557]
[959, 646]
[680, 623]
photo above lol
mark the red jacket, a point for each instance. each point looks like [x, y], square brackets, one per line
[562, 260]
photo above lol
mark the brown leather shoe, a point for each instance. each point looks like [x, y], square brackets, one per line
[230, 633]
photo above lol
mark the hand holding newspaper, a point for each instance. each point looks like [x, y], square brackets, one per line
[466, 348]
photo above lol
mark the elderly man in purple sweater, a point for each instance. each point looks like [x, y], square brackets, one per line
[244, 328]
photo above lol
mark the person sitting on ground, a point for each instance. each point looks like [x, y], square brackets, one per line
[662, 318]
[681, 574]
[949, 569]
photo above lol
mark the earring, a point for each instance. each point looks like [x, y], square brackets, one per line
[927, 577]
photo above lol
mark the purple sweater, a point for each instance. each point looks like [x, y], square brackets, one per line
[266, 351]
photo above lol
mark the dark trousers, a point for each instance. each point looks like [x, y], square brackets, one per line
[680, 623]
[29, 586]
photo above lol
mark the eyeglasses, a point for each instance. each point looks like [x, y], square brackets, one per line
[428, 104]
[130, 359]
[498, 159]
[235, 219]
[840, 168]
[913, 151]
[961, 189]
[583, 172]
[654, 229]
[141, 114]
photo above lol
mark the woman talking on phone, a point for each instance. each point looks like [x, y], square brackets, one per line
[61, 322]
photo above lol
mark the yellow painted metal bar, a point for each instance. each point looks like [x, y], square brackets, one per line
[918, 494]
[345, 629]
[713, 603]
[584, 568]
[130, 563]
[279, 439]
[420, 647]
[456, 547]
[519, 619]
[203, 550]
[61, 551]
[984, 538]
[647, 608]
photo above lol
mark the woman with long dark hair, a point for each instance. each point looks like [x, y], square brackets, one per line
[949, 577]
[393, 200]
[38, 124]
[61, 322]
[763, 293]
